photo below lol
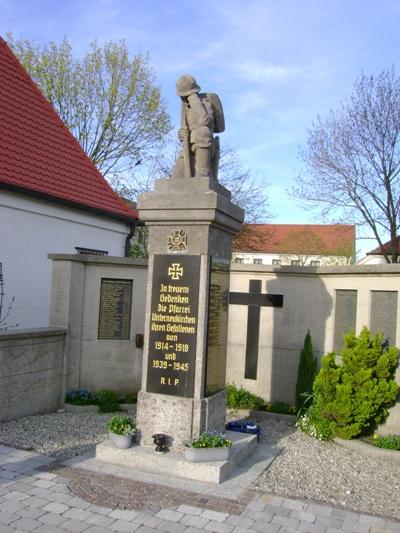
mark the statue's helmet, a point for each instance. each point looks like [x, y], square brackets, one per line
[186, 85]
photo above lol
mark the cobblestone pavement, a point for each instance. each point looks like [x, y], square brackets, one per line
[37, 494]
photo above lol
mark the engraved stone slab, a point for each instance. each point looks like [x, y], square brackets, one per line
[345, 316]
[384, 314]
[173, 325]
[115, 309]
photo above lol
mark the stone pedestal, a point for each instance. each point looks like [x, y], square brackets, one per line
[191, 222]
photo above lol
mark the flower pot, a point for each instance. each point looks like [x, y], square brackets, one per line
[206, 455]
[121, 441]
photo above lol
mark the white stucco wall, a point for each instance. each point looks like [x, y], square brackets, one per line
[31, 229]
[248, 258]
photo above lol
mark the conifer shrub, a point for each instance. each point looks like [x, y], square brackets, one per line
[352, 397]
[306, 373]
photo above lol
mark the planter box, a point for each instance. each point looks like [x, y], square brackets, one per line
[81, 409]
[121, 441]
[207, 455]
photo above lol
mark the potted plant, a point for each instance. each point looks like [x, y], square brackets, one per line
[121, 429]
[209, 446]
[80, 401]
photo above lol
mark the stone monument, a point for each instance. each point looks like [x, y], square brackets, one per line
[191, 221]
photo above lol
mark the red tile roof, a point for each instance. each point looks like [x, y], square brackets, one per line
[39, 155]
[387, 247]
[315, 239]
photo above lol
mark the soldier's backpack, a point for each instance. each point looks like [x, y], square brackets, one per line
[213, 101]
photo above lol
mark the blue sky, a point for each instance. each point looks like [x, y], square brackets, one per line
[275, 64]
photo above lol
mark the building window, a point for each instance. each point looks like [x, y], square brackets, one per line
[314, 263]
[276, 262]
[295, 262]
[239, 260]
[257, 261]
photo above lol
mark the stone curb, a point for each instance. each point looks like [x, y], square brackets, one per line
[249, 413]
[369, 450]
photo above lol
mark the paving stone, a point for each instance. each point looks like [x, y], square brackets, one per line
[264, 527]
[195, 521]
[334, 530]
[350, 516]
[122, 525]
[54, 507]
[59, 497]
[394, 526]
[78, 503]
[329, 521]
[31, 512]
[35, 501]
[96, 519]
[12, 507]
[124, 514]
[169, 514]
[263, 516]
[19, 486]
[193, 529]
[78, 514]
[294, 504]
[284, 521]
[46, 475]
[99, 509]
[167, 525]
[218, 527]
[52, 519]
[188, 509]
[239, 521]
[271, 499]
[308, 527]
[278, 511]
[26, 524]
[355, 527]
[242, 530]
[287, 530]
[214, 515]
[44, 528]
[145, 529]
[14, 496]
[7, 518]
[371, 521]
[97, 529]
[40, 492]
[302, 515]
[75, 526]
[147, 519]
[7, 529]
[320, 510]
[43, 483]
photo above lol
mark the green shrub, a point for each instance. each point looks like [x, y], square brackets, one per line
[130, 398]
[108, 401]
[121, 425]
[388, 442]
[210, 439]
[240, 398]
[306, 373]
[80, 397]
[353, 397]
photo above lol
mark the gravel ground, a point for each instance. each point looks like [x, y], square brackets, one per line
[306, 468]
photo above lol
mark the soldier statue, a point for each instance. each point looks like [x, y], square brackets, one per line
[201, 117]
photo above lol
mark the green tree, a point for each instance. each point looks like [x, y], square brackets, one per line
[306, 373]
[353, 396]
[352, 161]
[108, 100]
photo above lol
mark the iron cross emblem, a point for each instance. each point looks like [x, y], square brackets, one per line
[175, 271]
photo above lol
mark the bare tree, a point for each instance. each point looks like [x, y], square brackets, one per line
[108, 100]
[352, 160]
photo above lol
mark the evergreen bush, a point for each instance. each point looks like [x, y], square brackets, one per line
[353, 396]
[306, 373]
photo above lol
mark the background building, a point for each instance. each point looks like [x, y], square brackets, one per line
[295, 244]
[52, 197]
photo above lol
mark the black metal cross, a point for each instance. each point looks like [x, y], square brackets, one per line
[254, 299]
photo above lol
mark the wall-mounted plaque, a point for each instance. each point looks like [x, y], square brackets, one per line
[345, 316]
[217, 329]
[173, 325]
[384, 314]
[115, 309]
